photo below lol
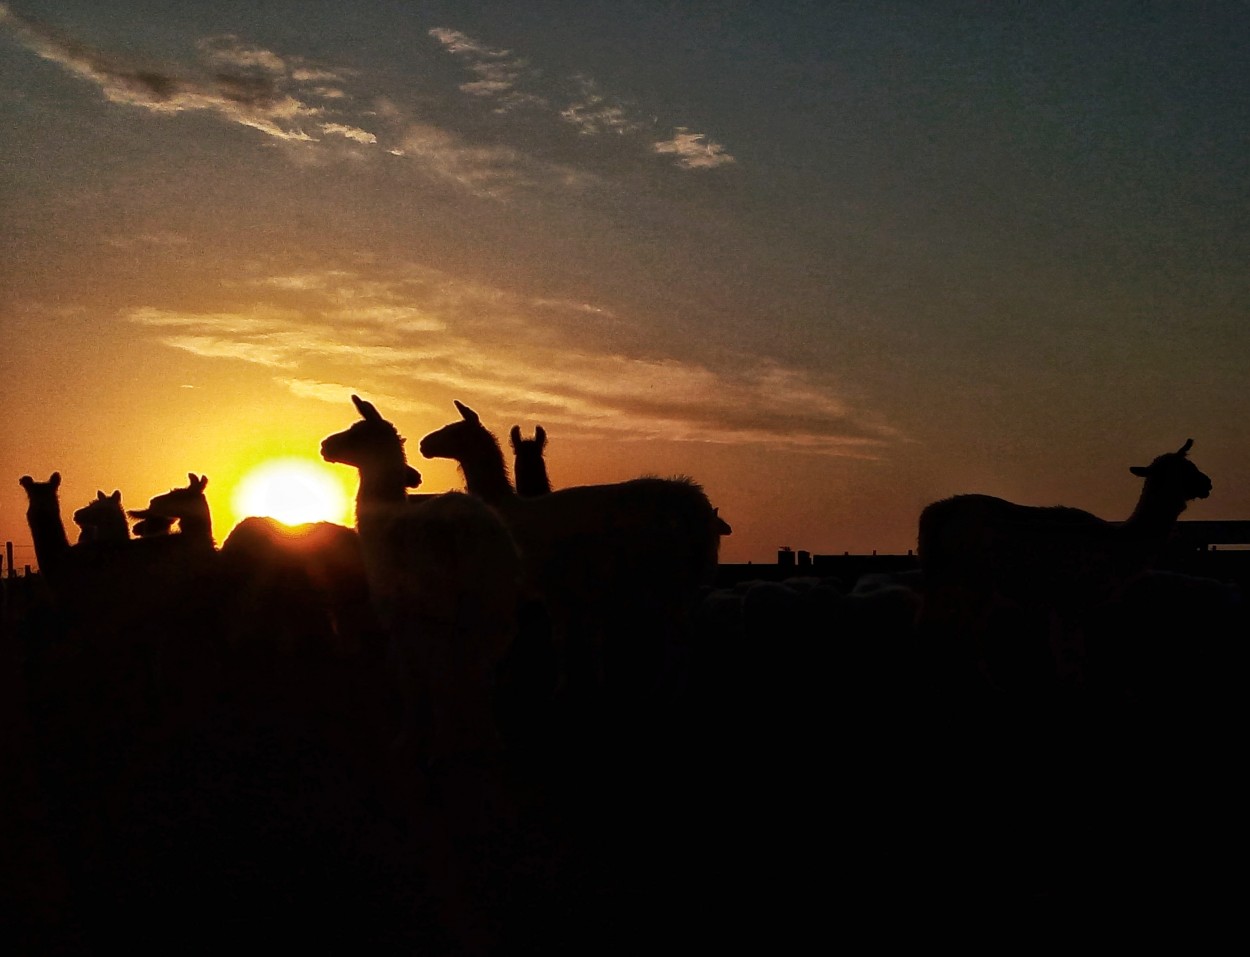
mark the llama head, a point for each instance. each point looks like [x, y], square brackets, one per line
[42, 489]
[462, 441]
[101, 510]
[151, 526]
[1174, 472]
[370, 444]
[179, 503]
[521, 445]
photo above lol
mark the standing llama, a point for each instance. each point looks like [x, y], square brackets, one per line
[529, 470]
[618, 566]
[979, 553]
[445, 576]
[47, 529]
[102, 521]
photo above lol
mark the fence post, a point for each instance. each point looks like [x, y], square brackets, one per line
[8, 554]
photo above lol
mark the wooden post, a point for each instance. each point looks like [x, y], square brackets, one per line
[8, 554]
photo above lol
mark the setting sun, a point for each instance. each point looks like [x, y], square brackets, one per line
[293, 491]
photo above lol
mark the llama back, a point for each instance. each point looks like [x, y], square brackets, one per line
[662, 530]
[1023, 552]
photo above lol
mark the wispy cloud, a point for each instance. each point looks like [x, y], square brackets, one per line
[236, 81]
[694, 150]
[498, 72]
[339, 394]
[595, 112]
[489, 171]
[350, 132]
[310, 107]
[505, 80]
[423, 333]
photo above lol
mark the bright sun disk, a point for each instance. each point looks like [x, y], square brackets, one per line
[293, 491]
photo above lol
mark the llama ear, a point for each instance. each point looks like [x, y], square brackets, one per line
[366, 410]
[1141, 471]
[26, 482]
[541, 436]
[55, 481]
[466, 413]
[412, 478]
[515, 436]
[99, 495]
[116, 496]
[197, 483]
[1184, 449]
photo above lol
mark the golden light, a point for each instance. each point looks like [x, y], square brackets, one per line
[293, 491]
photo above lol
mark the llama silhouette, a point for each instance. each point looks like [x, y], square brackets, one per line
[187, 506]
[618, 566]
[445, 577]
[102, 521]
[528, 467]
[980, 554]
[47, 528]
[153, 526]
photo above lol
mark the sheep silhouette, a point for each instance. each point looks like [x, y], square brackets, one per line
[292, 584]
[445, 576]
[528, 466]
[618, 566]
[980, 554]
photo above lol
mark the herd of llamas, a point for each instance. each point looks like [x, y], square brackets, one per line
[522, 718]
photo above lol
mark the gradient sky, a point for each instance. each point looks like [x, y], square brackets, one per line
[833, 260]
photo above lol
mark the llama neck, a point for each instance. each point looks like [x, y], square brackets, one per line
[486, 475]
[116, 529]
[381, 490]
[47, 531]
[531, 476]
[198, 524]
[1155, 515]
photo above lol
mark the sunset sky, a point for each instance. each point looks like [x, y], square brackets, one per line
[833, 260]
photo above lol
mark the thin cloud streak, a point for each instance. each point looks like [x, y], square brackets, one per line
[425, 332]
[338, 394]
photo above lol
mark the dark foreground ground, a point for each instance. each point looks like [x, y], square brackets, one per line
[803, 767]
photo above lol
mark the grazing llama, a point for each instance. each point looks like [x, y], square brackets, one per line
[47, 529]
[616, 565]
[979, 553]
[445, 577]
[528, 468]
[102, 521]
